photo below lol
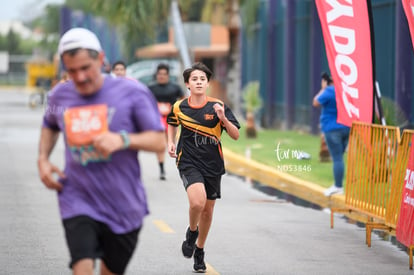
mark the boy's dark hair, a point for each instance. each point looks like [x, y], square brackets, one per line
[119, 62]
[197, 66]
[325, 76]
[163, 66]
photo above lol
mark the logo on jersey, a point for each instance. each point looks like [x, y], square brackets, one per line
[82, 125]
[208, 117]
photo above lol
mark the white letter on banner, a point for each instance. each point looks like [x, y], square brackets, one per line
[338, 10]
[344, 60]
[407, 174]
[348, 80]
[353, 92]
[410, 181]
[348, 36]
[350, 109]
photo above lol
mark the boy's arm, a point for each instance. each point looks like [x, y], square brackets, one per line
[172, 133]
[231, 129]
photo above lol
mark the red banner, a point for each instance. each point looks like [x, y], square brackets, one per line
[409, 12]
[346, 31]
[405, 224]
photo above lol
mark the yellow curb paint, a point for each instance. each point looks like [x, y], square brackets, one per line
[210, 270]
[163, 227]
[284, 182]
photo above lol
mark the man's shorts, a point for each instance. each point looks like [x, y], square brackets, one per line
[212, 184]
[90, 239]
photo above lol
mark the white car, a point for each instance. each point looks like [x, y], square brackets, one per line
[144, 71]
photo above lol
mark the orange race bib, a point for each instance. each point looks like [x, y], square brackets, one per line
[82, 124]
[164, 108]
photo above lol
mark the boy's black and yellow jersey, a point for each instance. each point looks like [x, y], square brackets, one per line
[199, 145]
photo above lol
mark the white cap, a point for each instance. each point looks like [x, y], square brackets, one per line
[78, 38]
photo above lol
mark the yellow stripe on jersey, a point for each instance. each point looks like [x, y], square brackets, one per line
[196, 127]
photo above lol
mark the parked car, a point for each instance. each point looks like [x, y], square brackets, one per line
[144, 71]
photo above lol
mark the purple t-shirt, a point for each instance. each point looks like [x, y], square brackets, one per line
[108, 190]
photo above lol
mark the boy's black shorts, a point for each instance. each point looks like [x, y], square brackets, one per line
[90, 239]
[212, 184]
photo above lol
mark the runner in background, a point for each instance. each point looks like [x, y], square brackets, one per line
[166, 94]
[119, 68]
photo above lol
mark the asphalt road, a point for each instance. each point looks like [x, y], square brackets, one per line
[252, 233]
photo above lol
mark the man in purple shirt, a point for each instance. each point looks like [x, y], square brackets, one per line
[105, 121]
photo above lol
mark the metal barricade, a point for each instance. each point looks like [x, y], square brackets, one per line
[377, 161]
[372, 159]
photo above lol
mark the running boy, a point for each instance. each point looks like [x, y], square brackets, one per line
[199, 155]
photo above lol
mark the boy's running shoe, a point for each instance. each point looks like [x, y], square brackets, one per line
[189, 243]
[199, 265]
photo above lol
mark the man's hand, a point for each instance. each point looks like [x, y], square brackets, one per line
[107, 143]
[46, 171]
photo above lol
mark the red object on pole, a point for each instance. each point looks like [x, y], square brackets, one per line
[347, 35]
[405, 224]
[408, 6]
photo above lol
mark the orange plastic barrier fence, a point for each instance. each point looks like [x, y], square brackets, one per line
[371, 159]
[377, 160]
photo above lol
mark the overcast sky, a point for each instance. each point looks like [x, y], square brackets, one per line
[23, 9]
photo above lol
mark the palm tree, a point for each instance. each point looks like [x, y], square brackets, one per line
[138, 21]
[252, 103]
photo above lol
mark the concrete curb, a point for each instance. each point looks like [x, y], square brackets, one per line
[308, 191]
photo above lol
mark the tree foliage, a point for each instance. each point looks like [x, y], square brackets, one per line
[249, 11]
[214, 11]
[12, 42]
[138, 22]
[251, 97]
[191, 10]
[143, 22]
[137, 18]
[51, 20]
